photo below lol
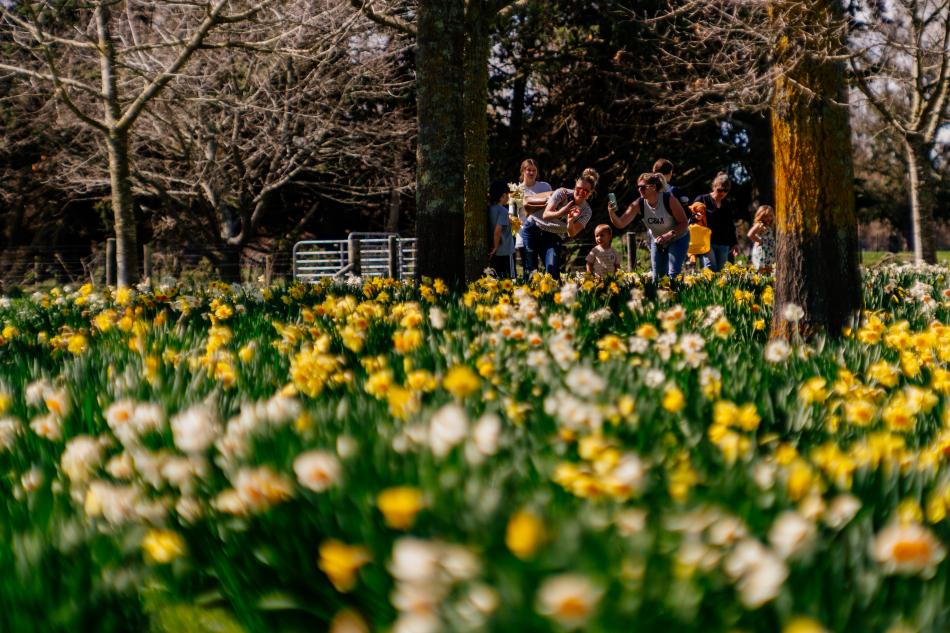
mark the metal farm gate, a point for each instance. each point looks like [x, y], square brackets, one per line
[362, 254]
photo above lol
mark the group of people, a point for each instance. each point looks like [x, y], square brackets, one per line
[664, 213]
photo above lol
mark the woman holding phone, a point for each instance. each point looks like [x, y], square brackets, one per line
[666, 224]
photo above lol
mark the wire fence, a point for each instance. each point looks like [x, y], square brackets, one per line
[35, 265]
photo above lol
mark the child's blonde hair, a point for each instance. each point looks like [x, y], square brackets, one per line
[604, 227]
[763, 211]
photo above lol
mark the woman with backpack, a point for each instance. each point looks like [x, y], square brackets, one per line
[566, 213]
[666, 224]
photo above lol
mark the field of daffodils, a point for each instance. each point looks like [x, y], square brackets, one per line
[384, 456]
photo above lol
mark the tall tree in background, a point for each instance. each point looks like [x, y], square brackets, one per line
[61, 45]
[815, 224]
[440, 205]
[473, 27]
[901, 64]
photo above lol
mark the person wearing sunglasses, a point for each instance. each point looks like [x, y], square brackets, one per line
[566, 214]
[719, 219]
[666, 222]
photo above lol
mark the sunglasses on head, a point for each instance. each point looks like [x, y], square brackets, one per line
[581, 191]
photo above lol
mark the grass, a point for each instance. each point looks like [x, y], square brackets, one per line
[171, 617]
[869, 258]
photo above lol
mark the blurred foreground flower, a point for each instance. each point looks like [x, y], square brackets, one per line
[804, 625]
[908, 548]
[569, 599]
[163, 546]
[462, 381]
[317, 470]
[348, 621]
[400, 506]
[340, 562]
[448, 427]
[793, 313]
[758, 572]
[524, 534]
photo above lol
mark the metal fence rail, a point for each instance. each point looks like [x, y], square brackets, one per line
[369, 257]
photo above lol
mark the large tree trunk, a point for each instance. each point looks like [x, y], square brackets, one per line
[120, 167]
[127, 261]
[476, 139]
[229, 264]
[816, 229]
[921, 191]
[16, 221]
[440, 194]
[516, 121]
[765, 163]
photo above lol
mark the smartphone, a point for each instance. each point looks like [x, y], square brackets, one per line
[612, 197]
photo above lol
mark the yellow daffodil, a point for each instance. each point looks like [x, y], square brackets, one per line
[399, 506]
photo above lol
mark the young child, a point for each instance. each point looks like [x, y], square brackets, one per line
[502, 242]
[603, 258]
[763, 249]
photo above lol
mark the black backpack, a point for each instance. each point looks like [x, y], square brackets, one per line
[679, 195]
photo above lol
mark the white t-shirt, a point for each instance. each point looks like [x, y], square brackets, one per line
[538, 187]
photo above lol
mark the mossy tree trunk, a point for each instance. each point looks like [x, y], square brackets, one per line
[453, 49]
[440, 193]
[477, 24]
[816, 228]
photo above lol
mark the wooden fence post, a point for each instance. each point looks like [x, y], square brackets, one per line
[268, 268]
[39, 272]
[110, 262]
[62, 273]
[354, 246]
[147, 261]
[393, 257]
[630, 244]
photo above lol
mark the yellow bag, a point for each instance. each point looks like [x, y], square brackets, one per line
[699, 239]
[699, 234]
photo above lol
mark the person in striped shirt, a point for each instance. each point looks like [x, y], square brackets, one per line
[566, 215]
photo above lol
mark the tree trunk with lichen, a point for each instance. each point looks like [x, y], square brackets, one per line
[440, 181]
[815, 225]
[477, 49]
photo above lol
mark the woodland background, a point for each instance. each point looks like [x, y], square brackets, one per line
[317, 145]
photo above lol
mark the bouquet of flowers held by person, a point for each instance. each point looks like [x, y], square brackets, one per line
[515, 194]
[515, 200]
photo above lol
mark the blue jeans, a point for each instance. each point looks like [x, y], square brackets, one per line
[547, 246]
[668, 262]
[716, 258]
